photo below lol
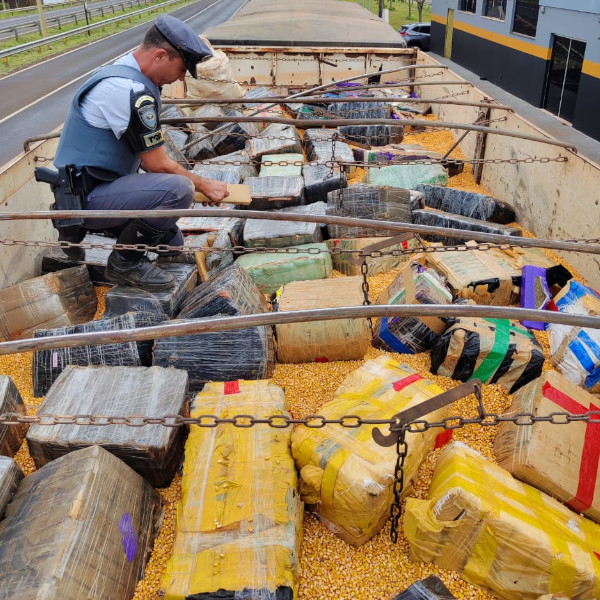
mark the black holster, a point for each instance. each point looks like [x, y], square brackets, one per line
[68, 190]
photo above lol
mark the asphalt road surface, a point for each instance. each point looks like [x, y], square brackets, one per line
[34, 101]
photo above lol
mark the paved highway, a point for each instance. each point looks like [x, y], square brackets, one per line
[34, 101]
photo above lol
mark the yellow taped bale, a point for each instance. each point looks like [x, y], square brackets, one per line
[322, 341]
[561, 461]
[501, 534]
[239, 520]
[344, 473]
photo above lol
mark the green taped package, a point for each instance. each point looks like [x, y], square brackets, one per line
[408, 176]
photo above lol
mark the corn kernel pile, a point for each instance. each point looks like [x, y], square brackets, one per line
[330, 568]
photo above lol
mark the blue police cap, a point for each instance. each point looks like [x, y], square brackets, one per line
[185, 40]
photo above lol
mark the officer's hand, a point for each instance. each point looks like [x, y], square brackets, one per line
[215, 191]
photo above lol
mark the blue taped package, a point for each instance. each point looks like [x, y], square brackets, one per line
[575, 351]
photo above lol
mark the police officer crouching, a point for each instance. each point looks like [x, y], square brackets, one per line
[112, 129]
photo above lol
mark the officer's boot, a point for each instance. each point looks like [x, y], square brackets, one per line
[132, 267]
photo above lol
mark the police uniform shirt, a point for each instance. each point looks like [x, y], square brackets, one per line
[108, 105]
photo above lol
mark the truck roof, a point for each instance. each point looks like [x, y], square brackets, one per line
[305, 23]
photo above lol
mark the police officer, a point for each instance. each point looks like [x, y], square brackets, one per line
[113, 127]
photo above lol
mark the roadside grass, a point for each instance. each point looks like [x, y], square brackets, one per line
[44, 51]
[7, 13]
[399, 13]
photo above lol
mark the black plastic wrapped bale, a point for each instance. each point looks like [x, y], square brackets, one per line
[122, 299]
[467, 204]
[367, 201]
[49, 364]
[201, 146]
[175, 140]
[10, 476]
[79, 527]
[493, 350]
[231, 292]
[219, 356]
[279, 234]
[358, 110]
[438, 218]
[277, 138]
[319, 180]
[237, 160]
[58, 299]
[374, 135]
[11, 436]
[275, 191]
[95, 258]
[219, 173]
[234, 227]
[431, 588]
[235, 136]
[153, 451]
[411, 335]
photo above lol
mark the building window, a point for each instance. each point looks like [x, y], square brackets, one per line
[526, 17]
[496, 9]
[468, 5]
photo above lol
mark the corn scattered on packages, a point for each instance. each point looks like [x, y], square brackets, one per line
[344, 474]
[239, 520]
[575, 351]
[79, 527]
[501, 534]
[561, 461]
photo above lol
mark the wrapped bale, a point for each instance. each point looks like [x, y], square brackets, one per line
[50, 536]
[467, 204]
[266, 111]
[277, 138]
[279, 234]
[561, 461]
[213, 260]
[411, 335]
[575, 351]
[235, 136]
[171, 111]
[366, 201]
[407, 176]
[49, 364]
[319, 180]
[493, 350]
[275, 191]
[438, 218]
[322, 341]
[122, 299]
[344, 474]
[358, 110]
[233, 226]
[431, 588]
[349, 263]
[217, 356]
[175, 140]
[240, 517]
[201, 144]
[10, 476]
[288, 165]
[516, 542]
[66, 297]
[325, 145]
[224, 174]
[232, 292]
[270, 271]
[11, 436]
[95, 258]
[373, 135]
[239, 160]
[207, 110]
[153, 451]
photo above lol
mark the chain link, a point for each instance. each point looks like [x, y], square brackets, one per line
[398, 486]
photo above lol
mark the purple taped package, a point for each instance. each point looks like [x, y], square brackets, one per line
[535, 293]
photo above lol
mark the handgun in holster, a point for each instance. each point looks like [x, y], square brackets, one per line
[67, 187]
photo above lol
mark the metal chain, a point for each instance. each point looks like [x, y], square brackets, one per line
[398, 485]
[364, 269]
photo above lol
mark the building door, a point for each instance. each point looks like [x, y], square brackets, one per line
[449, 31]
[563, 77]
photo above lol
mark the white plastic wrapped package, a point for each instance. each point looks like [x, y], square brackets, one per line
[277, 138]
[575, 351]
[275, 191]
[10, 476]
[319, 180]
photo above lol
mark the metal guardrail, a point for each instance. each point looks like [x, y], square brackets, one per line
[74, 16]
[4, 54]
